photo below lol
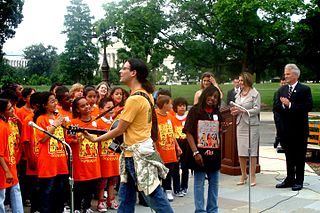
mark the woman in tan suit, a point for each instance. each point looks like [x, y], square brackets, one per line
[249, 98]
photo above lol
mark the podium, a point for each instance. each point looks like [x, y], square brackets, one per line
[229, 155]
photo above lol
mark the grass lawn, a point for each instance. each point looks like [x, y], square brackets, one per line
[266, 91]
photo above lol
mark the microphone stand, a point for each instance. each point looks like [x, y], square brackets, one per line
[249, 149]
[71, 181]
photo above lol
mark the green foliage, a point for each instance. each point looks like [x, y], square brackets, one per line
[219, 35]
[11, 74]
[10, 17]
[80, 58]
[41, 60]
[140, 25]
[38, 80]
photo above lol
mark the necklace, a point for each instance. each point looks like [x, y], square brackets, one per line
[244, 93]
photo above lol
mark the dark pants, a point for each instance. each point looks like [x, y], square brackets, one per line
[172, 175]
[295, 151]
[52, 193]
[34, 192]
[83, 191]
[182, 164]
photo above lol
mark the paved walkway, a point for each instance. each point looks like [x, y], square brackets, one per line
[264, 196]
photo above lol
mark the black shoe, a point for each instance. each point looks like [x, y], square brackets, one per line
[284, 185]
[297, 187]
[280, 150]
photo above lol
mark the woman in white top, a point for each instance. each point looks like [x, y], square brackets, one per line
[207, 79]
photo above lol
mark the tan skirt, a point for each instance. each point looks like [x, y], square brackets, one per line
[243, 139]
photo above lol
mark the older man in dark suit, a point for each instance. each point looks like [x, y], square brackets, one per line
[293, 102]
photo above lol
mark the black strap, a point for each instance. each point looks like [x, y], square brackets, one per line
[144, 95]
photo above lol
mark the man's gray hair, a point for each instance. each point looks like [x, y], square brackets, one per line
[294, 68]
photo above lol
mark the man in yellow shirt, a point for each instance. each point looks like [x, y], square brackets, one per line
[135, 124]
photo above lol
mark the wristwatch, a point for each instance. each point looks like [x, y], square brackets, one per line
[195, 153]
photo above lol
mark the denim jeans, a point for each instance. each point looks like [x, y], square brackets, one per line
[212, 200]
[15, 199]
[52, 194]
[157, 200]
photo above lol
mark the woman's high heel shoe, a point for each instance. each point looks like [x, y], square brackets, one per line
[244, 181]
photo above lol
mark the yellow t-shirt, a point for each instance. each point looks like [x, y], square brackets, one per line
[137, 112]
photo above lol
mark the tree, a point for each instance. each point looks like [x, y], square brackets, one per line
[80, 58]
[10, 17]
[138, 23]
[252, 33]
[41, 60]
[10, 74]
[310, 43]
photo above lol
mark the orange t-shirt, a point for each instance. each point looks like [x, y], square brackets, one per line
[86, 162]
[14, 128]
[27, 135]
[23, 112]
[109, 160]
[178, 123]
[7, 151]
[95, 111]
[66, 114]
[166, 140]
[52, 159]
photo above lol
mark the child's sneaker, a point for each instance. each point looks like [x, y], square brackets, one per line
[101, 207]
[184, 191]
[89, 211]
[169, 195]
[113, 204]
[178, 194]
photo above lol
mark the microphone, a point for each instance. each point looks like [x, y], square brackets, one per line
[33, 125]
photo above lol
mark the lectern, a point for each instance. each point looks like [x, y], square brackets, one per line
[229, 154]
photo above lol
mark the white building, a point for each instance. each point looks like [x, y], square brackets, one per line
[16, 60]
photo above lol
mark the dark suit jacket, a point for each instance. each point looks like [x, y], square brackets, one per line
[231, 96]
[295, 119]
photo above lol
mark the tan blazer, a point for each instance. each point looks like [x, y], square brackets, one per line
[252, 102]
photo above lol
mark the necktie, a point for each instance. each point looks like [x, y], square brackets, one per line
[290, 91]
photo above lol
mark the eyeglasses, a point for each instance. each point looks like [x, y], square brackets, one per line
[125, 68]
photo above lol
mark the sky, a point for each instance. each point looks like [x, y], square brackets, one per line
[43, 23]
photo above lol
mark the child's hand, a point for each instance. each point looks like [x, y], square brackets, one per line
[88, 136]
[179, 151]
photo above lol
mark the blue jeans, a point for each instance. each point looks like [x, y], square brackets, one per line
[15, 199]
[157, 200]
[212, 201]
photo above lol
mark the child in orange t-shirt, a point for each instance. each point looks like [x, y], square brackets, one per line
[109, 160]
[167, 145]
[8, 171]
[117, 95]
[52, 161]
[86, 161]
[180, 108]
[64, 102]
[31, 150]
[90, 94]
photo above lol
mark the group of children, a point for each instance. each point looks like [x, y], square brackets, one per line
[42, 161]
